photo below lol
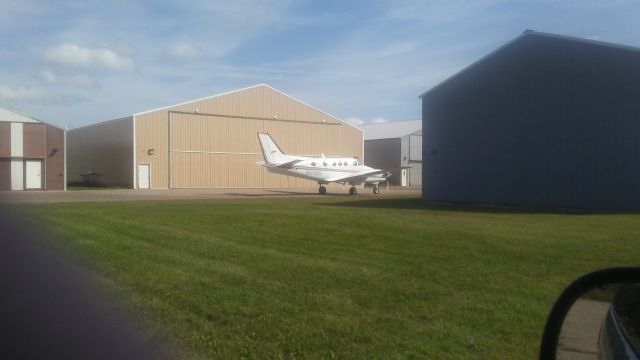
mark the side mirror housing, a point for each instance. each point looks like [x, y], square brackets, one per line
[597, 315]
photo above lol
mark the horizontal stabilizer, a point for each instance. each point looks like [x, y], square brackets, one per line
[288, 164]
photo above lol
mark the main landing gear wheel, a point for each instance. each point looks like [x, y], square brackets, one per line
[376, 189]
[353, 191]
[322, 190]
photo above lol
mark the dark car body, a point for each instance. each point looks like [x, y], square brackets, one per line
[620, 333]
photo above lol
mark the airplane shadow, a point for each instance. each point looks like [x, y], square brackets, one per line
[284, 193]
[287, 192]
[417, 204]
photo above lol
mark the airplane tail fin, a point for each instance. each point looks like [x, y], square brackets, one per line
[270, 150]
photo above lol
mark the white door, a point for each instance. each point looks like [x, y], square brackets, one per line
[33, 171]
[144, 173]
[17, 177]
[404, 177]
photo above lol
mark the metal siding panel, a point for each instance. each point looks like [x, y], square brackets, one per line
[54, 172]
[545, 123]
[5, 174]
[152, 133]
[17, 139]
[17, 174]
[404, 151]
[415, 148]
[5, 139]
[106, 149]
[385, 154]
[415, 174]
[34, 140]
[201, 132]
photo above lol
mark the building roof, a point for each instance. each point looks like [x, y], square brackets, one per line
[391, 130]
[525, 34]
[243, 89]
[223, 94]
[12, 116]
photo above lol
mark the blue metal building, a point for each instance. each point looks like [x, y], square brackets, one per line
[544, 121]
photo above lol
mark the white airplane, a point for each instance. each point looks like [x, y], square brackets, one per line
[321, 169]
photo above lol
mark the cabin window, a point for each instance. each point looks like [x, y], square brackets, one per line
[355, 163]
[313, 164]
[334, 163]
[339, 163]
[324, 163]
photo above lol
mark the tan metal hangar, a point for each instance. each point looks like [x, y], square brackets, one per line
[207, 143]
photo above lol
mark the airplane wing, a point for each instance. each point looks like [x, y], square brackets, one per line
[361, 176]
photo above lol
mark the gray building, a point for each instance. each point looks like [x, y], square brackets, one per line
[543, 121]
[395, 146]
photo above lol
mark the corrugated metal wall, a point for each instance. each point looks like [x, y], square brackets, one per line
[34, 140]
[54, 154]
[385, 154]
[544, 122]
[105, 149]
[415, 174]
[415, 147]
[218, 146]
[415, 159]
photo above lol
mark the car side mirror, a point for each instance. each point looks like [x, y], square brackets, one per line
[596, 317]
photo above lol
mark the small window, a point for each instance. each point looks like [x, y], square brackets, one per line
[355, 163]
[313, 164]
[339, 163]
[334, 163]
[324, 163]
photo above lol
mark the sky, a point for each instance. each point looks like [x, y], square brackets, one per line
[73, 63]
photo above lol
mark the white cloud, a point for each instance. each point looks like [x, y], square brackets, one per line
[20, 93]
[441, 11]
[359, 122]
[379, 120]
[354, 121]
[52, 78]
[37, 96]
[183, 52]
[74, 55]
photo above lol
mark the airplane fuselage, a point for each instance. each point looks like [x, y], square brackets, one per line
[320, 169]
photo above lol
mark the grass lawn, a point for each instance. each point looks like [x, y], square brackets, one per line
[324, 277]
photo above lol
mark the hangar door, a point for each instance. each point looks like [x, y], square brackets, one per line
[209, 151]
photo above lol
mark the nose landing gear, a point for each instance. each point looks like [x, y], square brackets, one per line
[376, 189]
[322, 190]
[353, 191]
